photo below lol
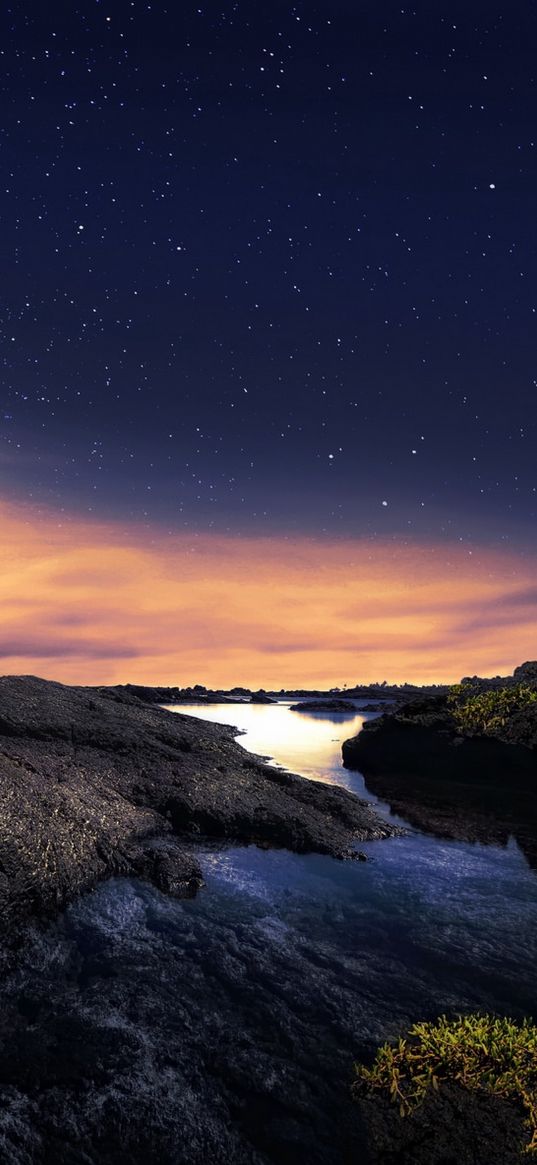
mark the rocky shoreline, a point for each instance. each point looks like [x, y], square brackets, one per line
[217, 1030]
[475, 784]
[199, 694]
[324, 706]
[466, 786]
[95, 783]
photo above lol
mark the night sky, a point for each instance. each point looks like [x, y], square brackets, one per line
[269, 273]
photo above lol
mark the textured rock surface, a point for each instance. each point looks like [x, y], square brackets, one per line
[453, 1127]
[135, 1032]
[473, 788]
[91, 782]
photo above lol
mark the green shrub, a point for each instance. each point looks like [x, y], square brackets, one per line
[478, 1052]
[488, 712]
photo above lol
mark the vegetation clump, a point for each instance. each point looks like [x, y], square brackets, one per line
[478, 1052]
[488, 713]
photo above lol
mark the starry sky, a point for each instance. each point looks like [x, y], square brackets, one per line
[269, 305]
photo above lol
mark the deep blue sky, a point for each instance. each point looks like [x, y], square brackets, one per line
[267, 267]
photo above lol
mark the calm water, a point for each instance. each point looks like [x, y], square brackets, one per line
[459, 919]
[222, 1031]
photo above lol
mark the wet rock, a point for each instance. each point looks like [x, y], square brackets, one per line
[89, 776]
[473, 788]
[136, 1031]
[168, 866]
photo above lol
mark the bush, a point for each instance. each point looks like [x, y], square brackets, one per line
[488, 712]
[478, 1052]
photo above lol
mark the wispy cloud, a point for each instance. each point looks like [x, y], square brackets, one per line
[37, 648]
[86, 603]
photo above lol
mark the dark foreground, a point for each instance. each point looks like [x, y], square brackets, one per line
[95, 784]
[136, 1028]
[472, 787]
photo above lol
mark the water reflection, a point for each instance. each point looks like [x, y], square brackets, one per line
[310, 743]
[447, 913]
[306, 743]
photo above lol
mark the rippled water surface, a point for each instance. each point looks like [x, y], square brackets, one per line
[223, 1030]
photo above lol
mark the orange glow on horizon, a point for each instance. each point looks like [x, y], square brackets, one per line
[86, 602]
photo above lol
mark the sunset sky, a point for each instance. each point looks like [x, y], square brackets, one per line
[85, 602]
[268, 328]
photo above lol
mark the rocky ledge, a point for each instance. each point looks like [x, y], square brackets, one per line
[94, 783]
[423, 735]
[472, 787]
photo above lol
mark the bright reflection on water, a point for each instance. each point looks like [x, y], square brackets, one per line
[441, 919]
[306, 743]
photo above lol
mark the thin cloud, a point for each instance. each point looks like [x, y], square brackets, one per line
[29, 648]
[85, 602]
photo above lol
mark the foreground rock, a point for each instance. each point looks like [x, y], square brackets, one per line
[472, 788]
[451, 1127]
[94, 783]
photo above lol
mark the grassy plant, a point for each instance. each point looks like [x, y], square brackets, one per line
[488, 712]
[478, 1052]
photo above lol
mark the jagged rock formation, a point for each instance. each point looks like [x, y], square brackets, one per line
[94, 782]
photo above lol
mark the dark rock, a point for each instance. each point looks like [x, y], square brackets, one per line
[451, 1127]
[89, 777]
[136, 1032]
[526, 672]
[472, 788]
[422, 738]
[159, 695]
[169, 867]
[324, 706]
[261, 698]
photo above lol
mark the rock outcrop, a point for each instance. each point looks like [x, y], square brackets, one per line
[94, 782]
[468, 787]
[195, 695]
